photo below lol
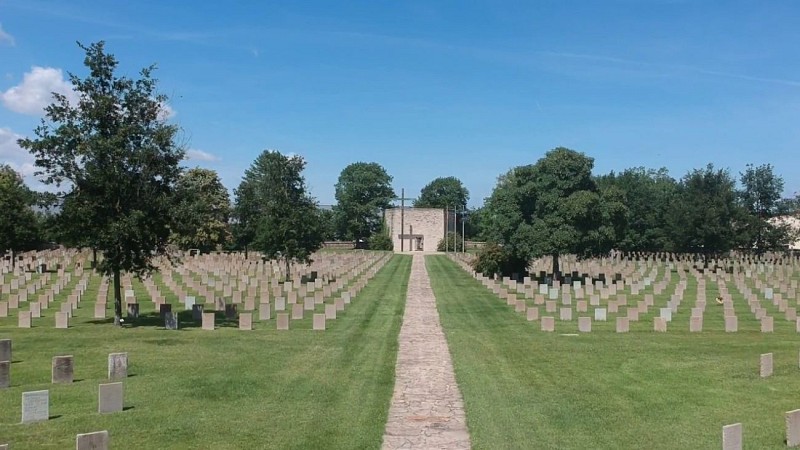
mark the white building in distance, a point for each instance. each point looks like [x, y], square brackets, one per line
[415, 229]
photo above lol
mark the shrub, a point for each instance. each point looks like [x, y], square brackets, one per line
[381, 241]
[452, 240]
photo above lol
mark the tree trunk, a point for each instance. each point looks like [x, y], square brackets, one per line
[117, 299]
[555, 266]
[94, 258]
[287, 269]
[245, 252]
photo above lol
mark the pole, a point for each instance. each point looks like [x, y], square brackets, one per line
[402, 217]
[446, 225]
[463, 236]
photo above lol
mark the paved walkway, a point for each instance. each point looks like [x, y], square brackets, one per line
[427, 411]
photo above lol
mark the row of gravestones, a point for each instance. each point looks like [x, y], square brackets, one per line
[732, 434]
[98, 440]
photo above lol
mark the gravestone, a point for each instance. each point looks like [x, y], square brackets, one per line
[62, 320]
[35, 406]
[666, 314]
[98, 440]
[767, 324]
[622, 325]
[519, 306]
[5, 349]
[208, 321]
[264, 311]
[659, 324]
[170, 320]
[732, 437]
[346, 297]
[110, 398]
[231, 311]
[565, 314]
[585, 324]
[63, 368]
[297, 311]
[197, 312]
[280, 304]
[133, 310]
[330, 311]
[548, 323]
[319, 322]
[765, 365]
[339, 303]
[533, 314]
[695, 324]
[731, 324]
[5, 374]
[600, 314]
[163, 309]
[117, 366]
[246, 321]
[308, 303]
[282, 321]
[99, 310]
[793, 428]
[189, 301]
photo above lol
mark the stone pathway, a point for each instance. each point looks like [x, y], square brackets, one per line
[427, 411]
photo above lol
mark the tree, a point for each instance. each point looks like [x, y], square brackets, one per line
[116, 157]
[18, 221]
[202, 211]
[760, 196]
[363, 191]
[704, 212]
[327, 220]
[443, 192]
[551, 208]
[648, 196]
[274, 208]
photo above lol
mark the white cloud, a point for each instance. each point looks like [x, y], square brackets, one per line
[14, 155]
[199, 155]
[6, 38]
[35, 92]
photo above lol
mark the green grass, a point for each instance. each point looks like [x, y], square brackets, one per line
[226, 389]
[524, 388]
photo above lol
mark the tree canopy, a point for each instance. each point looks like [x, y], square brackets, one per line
[18, 222]
[443, 192]
[760, 196]
[363, 191]
[274, 210]
[116, 161]
[202, 211]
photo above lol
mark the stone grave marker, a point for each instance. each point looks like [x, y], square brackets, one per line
[319, 322]
[339, 303]
[163, 309]
[732, 437]
[62, 320]
[793, 428]
[208, 321]
[731, 324]
[282, 321]
[264, 311]
[98, 440]
[553, 294]
[170, 320]
[189, 301]
[346, 297]
[548, 323]
[297, 311]
[659, 324]
[308, 303]
[695, 324]
[63, 368]
[765, 365]
[533, 314]
[5, 374]
[36, 310]
[99, 310]
[110, 397]
[666, 314]
[585, 324]
[231, 311]
[622, 325]
[565, 314]
[767, 324]
[600, 314]
[246, 321]
[197, 312]
[550, 306]
[280, 304]
[330, 311]
[35, 406]
[133, 310]
[5, 349]
[117, 366]
[3, 309]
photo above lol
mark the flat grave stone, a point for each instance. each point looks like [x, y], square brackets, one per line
[110, 397]
[622, 325]
[585, 324]
[163, 309]
[35, 406]
[62, 320]
[732, 437]
[793, 428]
[731, 324]
[280, 304]
[339, 303]
[3, 309]
[98, 440]
[36, 310]
[319, 322]
[189, 301]
[282, 321]
[170, 320]
[208, 321]
[695, 324]
[133, 310]
[600, 314]
[346, 297]
[565, 314]
[5, 349]
[767, 324]
[246, 321]
[264, 311]
[99, 310]
[297, 311]
[117, 366]
[548, 323]
[765, 366]
[533, 314]
[5, 374]
[308, 303]
[231, 311]
[666, 314]
[330, 311]
[197, 312]
[659, 324]
[63, 369]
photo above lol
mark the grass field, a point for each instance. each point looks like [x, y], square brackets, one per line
[524, 388]
[226, 389]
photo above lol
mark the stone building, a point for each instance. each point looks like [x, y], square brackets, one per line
[415, 229]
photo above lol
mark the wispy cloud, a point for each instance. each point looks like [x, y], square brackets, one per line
[199, 155]
[36, 91]
[6, 38]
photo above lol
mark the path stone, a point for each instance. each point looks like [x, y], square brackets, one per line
[427, 410]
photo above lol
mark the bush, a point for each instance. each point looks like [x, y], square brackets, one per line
[381, 241]
[452, 240]
[493, 259]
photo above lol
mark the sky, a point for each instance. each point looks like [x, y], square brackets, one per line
[431, 88]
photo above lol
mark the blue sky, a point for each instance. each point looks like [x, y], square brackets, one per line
[431, 88]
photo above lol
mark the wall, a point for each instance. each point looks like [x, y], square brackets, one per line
[428, 222]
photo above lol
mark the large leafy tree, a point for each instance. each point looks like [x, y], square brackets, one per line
[275, 213]
[760, 196]
[116, 160]
[704, 213]
[648, 196]
[551, 208]
[202, 211]
[18, 222]
[363, 191]
[443, 192]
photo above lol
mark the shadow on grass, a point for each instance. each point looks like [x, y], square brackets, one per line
[185, 320]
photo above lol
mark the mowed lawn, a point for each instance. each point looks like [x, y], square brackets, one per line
[226, 389]
[524, 388]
